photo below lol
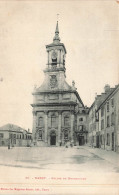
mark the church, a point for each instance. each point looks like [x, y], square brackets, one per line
[59, 115]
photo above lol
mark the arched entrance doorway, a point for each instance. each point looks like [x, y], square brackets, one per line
[81, 140]
[53, 139]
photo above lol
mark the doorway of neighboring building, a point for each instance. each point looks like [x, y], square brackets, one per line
[53, 140]
[97, 141]
[113, 141]
[81, 140]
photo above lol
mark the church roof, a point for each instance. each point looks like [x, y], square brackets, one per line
[112, 90]
[45, 87]
[100, 99]
[56, 38]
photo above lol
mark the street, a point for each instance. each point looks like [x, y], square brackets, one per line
[50, 170]
[53, 158]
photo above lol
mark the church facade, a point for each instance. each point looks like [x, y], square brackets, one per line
[59, 115]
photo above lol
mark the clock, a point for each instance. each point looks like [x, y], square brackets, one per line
[53, 81]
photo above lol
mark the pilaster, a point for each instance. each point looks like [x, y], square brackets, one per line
[34, 125]
[72, 125]
[46, 126]
[59, 127]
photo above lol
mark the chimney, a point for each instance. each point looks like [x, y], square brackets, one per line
[107, 88]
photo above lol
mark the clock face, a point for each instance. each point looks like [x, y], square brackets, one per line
[53, 81]
[54, 55]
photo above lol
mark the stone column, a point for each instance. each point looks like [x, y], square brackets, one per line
[34, 126]
[59, 128]
[46, 126]
[72, 126]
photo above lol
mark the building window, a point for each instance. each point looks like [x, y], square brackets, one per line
[80, 127]
[112, 102]
[66, 121]
[80, 119]
[1, 135]
[40, 135]
[53, 121]
[102, 124]
[83, 111]
[107, 106]
[112, 118]
[108, 139]
[97, 116]
[40, 121]
[66, 135]
[102, 111]
[108, 121]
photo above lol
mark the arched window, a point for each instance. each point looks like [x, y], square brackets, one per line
[53, 121]
[54, 62]
[66, 121]
[54, 58]
[80, 127]
[40, 121]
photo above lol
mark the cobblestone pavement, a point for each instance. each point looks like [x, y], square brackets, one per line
[81, 159]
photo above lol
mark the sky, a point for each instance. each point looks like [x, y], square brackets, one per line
[90, 32]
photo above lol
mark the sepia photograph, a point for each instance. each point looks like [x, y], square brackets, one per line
[59, 97]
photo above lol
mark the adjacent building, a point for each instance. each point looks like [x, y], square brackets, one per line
[59, 115]
[104, 120]
[14, 136]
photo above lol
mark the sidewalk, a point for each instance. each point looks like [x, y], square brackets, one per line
[110, 156]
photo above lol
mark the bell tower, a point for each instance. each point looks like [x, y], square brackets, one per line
[55, 102]
[56, 54]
